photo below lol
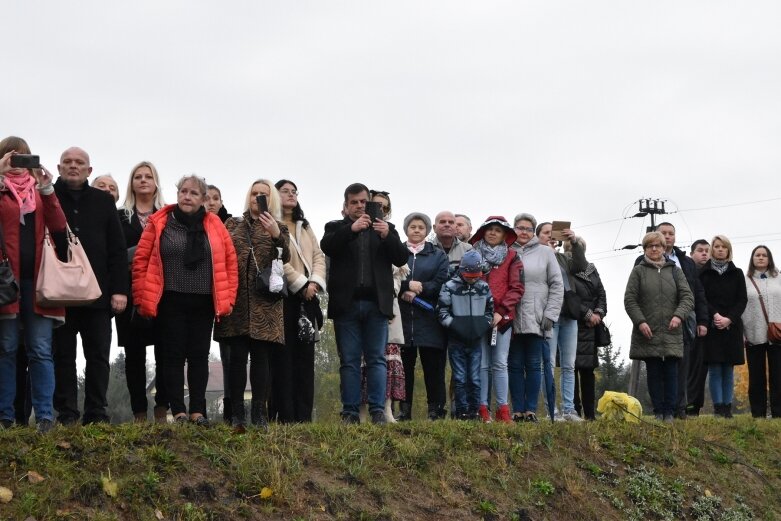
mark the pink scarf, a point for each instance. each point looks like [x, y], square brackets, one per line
[416, 248]
[22, 187]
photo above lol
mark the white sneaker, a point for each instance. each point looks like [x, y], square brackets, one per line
[571, 416]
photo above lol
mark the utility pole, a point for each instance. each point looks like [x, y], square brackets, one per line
[652, 207]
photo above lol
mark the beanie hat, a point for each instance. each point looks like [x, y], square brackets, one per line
[471, 264]
[419, 216]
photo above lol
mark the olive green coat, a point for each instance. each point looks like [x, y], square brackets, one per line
[654, 295]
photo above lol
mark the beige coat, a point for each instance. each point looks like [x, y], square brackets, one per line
[307, 262]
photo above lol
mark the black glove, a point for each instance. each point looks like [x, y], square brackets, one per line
[546, 324]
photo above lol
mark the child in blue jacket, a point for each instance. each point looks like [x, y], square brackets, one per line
[466, 309]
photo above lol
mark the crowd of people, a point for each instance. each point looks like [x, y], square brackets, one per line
[503, 305]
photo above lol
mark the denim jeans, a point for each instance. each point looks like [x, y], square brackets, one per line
[524, 367]
[565, 336]
[662, 376]
[465, 365]
[720, 381]
[495, 358]
[38, 342]
[362, 331]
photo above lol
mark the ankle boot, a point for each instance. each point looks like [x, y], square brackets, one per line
[436, 412]
[718, 410]
[238, 415]
[139, 417]
[226, 410]
[258, 414]
[727, 410]
[161, 414]
[405, 411]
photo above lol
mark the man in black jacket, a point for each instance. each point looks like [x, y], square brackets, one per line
[696, 325]
[360, 298]
[92, 217]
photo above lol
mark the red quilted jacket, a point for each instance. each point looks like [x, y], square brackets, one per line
[506, 283]
[148, 269]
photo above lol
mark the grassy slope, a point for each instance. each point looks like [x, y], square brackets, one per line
[700, 469]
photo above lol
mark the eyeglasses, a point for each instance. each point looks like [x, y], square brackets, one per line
[288, 191]
[655, 246]
[524, 229]
[385, 208]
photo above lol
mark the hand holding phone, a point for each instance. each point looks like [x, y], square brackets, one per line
[374, 210]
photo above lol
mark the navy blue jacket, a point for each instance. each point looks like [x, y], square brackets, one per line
[421, 327]
[467, 310]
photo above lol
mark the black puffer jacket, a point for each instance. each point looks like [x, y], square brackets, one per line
[588, 286]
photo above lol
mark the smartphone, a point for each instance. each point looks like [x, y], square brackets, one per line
[374, 210]
[262, 203]
[25, 161]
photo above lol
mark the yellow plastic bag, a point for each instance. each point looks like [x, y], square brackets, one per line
[620, 406]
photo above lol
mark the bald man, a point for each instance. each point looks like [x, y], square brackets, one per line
[92, 216]
[446, 239]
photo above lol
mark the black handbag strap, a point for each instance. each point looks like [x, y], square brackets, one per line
[761, 301]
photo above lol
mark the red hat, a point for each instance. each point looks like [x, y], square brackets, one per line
[499, 220]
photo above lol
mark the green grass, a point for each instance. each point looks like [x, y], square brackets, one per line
[703, 469]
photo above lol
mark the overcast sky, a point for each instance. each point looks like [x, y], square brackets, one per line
[568, 110]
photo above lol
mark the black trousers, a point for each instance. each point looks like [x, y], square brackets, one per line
[433, 360]
[259, 354]
[292, 372]
[135, 374]
[94, 325]
[585, 382]
[762, 358]
[697, 375]
[185, 325]
[684, 366]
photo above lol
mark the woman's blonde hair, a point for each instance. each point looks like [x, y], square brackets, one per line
[274, 204]
[130, 196]
[724, 241]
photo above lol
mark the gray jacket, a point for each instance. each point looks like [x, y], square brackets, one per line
[457, 251]
[654, 296]
[544, 290]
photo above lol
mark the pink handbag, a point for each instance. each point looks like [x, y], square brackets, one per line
[71, 283]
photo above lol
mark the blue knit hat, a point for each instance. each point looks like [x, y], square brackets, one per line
[471, 264]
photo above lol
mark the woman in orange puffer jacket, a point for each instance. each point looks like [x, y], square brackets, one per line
[185, 273]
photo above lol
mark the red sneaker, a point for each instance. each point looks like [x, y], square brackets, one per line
[503, 414]
[484, 414]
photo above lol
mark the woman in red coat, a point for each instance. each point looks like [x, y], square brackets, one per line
[503, 271]
[185, 273]
[27, 206]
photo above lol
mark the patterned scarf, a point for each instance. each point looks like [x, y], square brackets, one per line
[719, 266]
[493, 255]
[22, 186]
